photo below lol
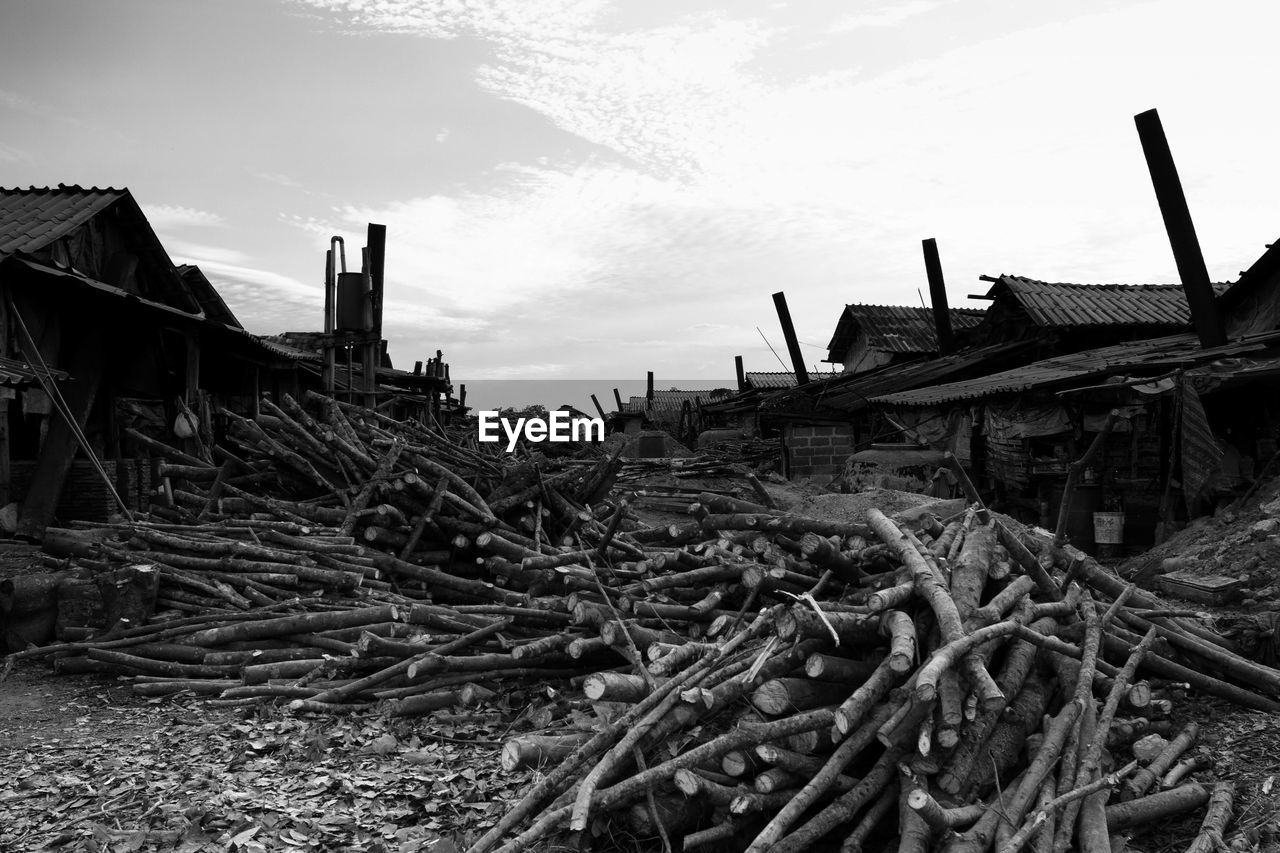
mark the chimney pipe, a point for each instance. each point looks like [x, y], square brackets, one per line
[1182, 233]
[648, 394]
[938, 298]
[789, 332]
[742, 376]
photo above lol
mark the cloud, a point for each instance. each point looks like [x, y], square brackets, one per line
[175, 216]
[656, 94]
[265, 302]
[885, 16]
[10, 154]
[736, 172]
[277, 178]
[18, 102]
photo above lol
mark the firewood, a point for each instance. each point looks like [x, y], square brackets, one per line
[821, 781]
[1183, 768]
[873, 816]
[1139, 782]
[1154, 807]
[1209, 838]
[787, 695]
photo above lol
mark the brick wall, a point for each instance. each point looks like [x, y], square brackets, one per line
[84, 496]
[817, 450]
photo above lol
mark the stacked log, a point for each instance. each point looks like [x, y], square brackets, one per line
[760, 680]
[917, 703]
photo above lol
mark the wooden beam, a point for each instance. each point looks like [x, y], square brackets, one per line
[5, 472]
[1182, 233]
[328, 368]
[617, 398]
[742, 376]
[789, 332]
[377, 242]
[938, 298]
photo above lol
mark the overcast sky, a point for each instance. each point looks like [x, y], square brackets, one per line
[586, 188]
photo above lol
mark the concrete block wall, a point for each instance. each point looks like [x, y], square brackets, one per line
[817, 450]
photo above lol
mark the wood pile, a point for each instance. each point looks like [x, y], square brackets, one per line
[745, 680]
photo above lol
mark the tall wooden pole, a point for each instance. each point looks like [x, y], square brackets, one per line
[1182, 233]
[789, 332]
[330, 284]
[938, 298]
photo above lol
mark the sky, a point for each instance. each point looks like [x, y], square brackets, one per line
[579, 189]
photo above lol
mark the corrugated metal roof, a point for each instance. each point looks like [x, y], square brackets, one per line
[1059, 304]
[895, 328]
[672, 402]
[1182, 350]
[33, 218]
[849, 393]
[770, 379]
[14, 373]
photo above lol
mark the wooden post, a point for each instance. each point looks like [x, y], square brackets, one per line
[938, 298]
[191, 385]
[377, 242]
[370, 349]
[789, 332]
[1182, 233]
[5, 395]
[742, 376]
[617, 398]
[328, 369]
[599, 408]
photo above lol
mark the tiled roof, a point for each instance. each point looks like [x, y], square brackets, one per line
[895, 328]
[1167, 353]
[1058, 304]
[770, 379]
[33, 218]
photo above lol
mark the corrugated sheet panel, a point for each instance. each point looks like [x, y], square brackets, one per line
[850, 393]
[775, 379]
[1181, 350]
[33, 218]
[1059, 304]
[14, 373]
[895, 328]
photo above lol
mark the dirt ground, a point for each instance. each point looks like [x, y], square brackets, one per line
[90, 766]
